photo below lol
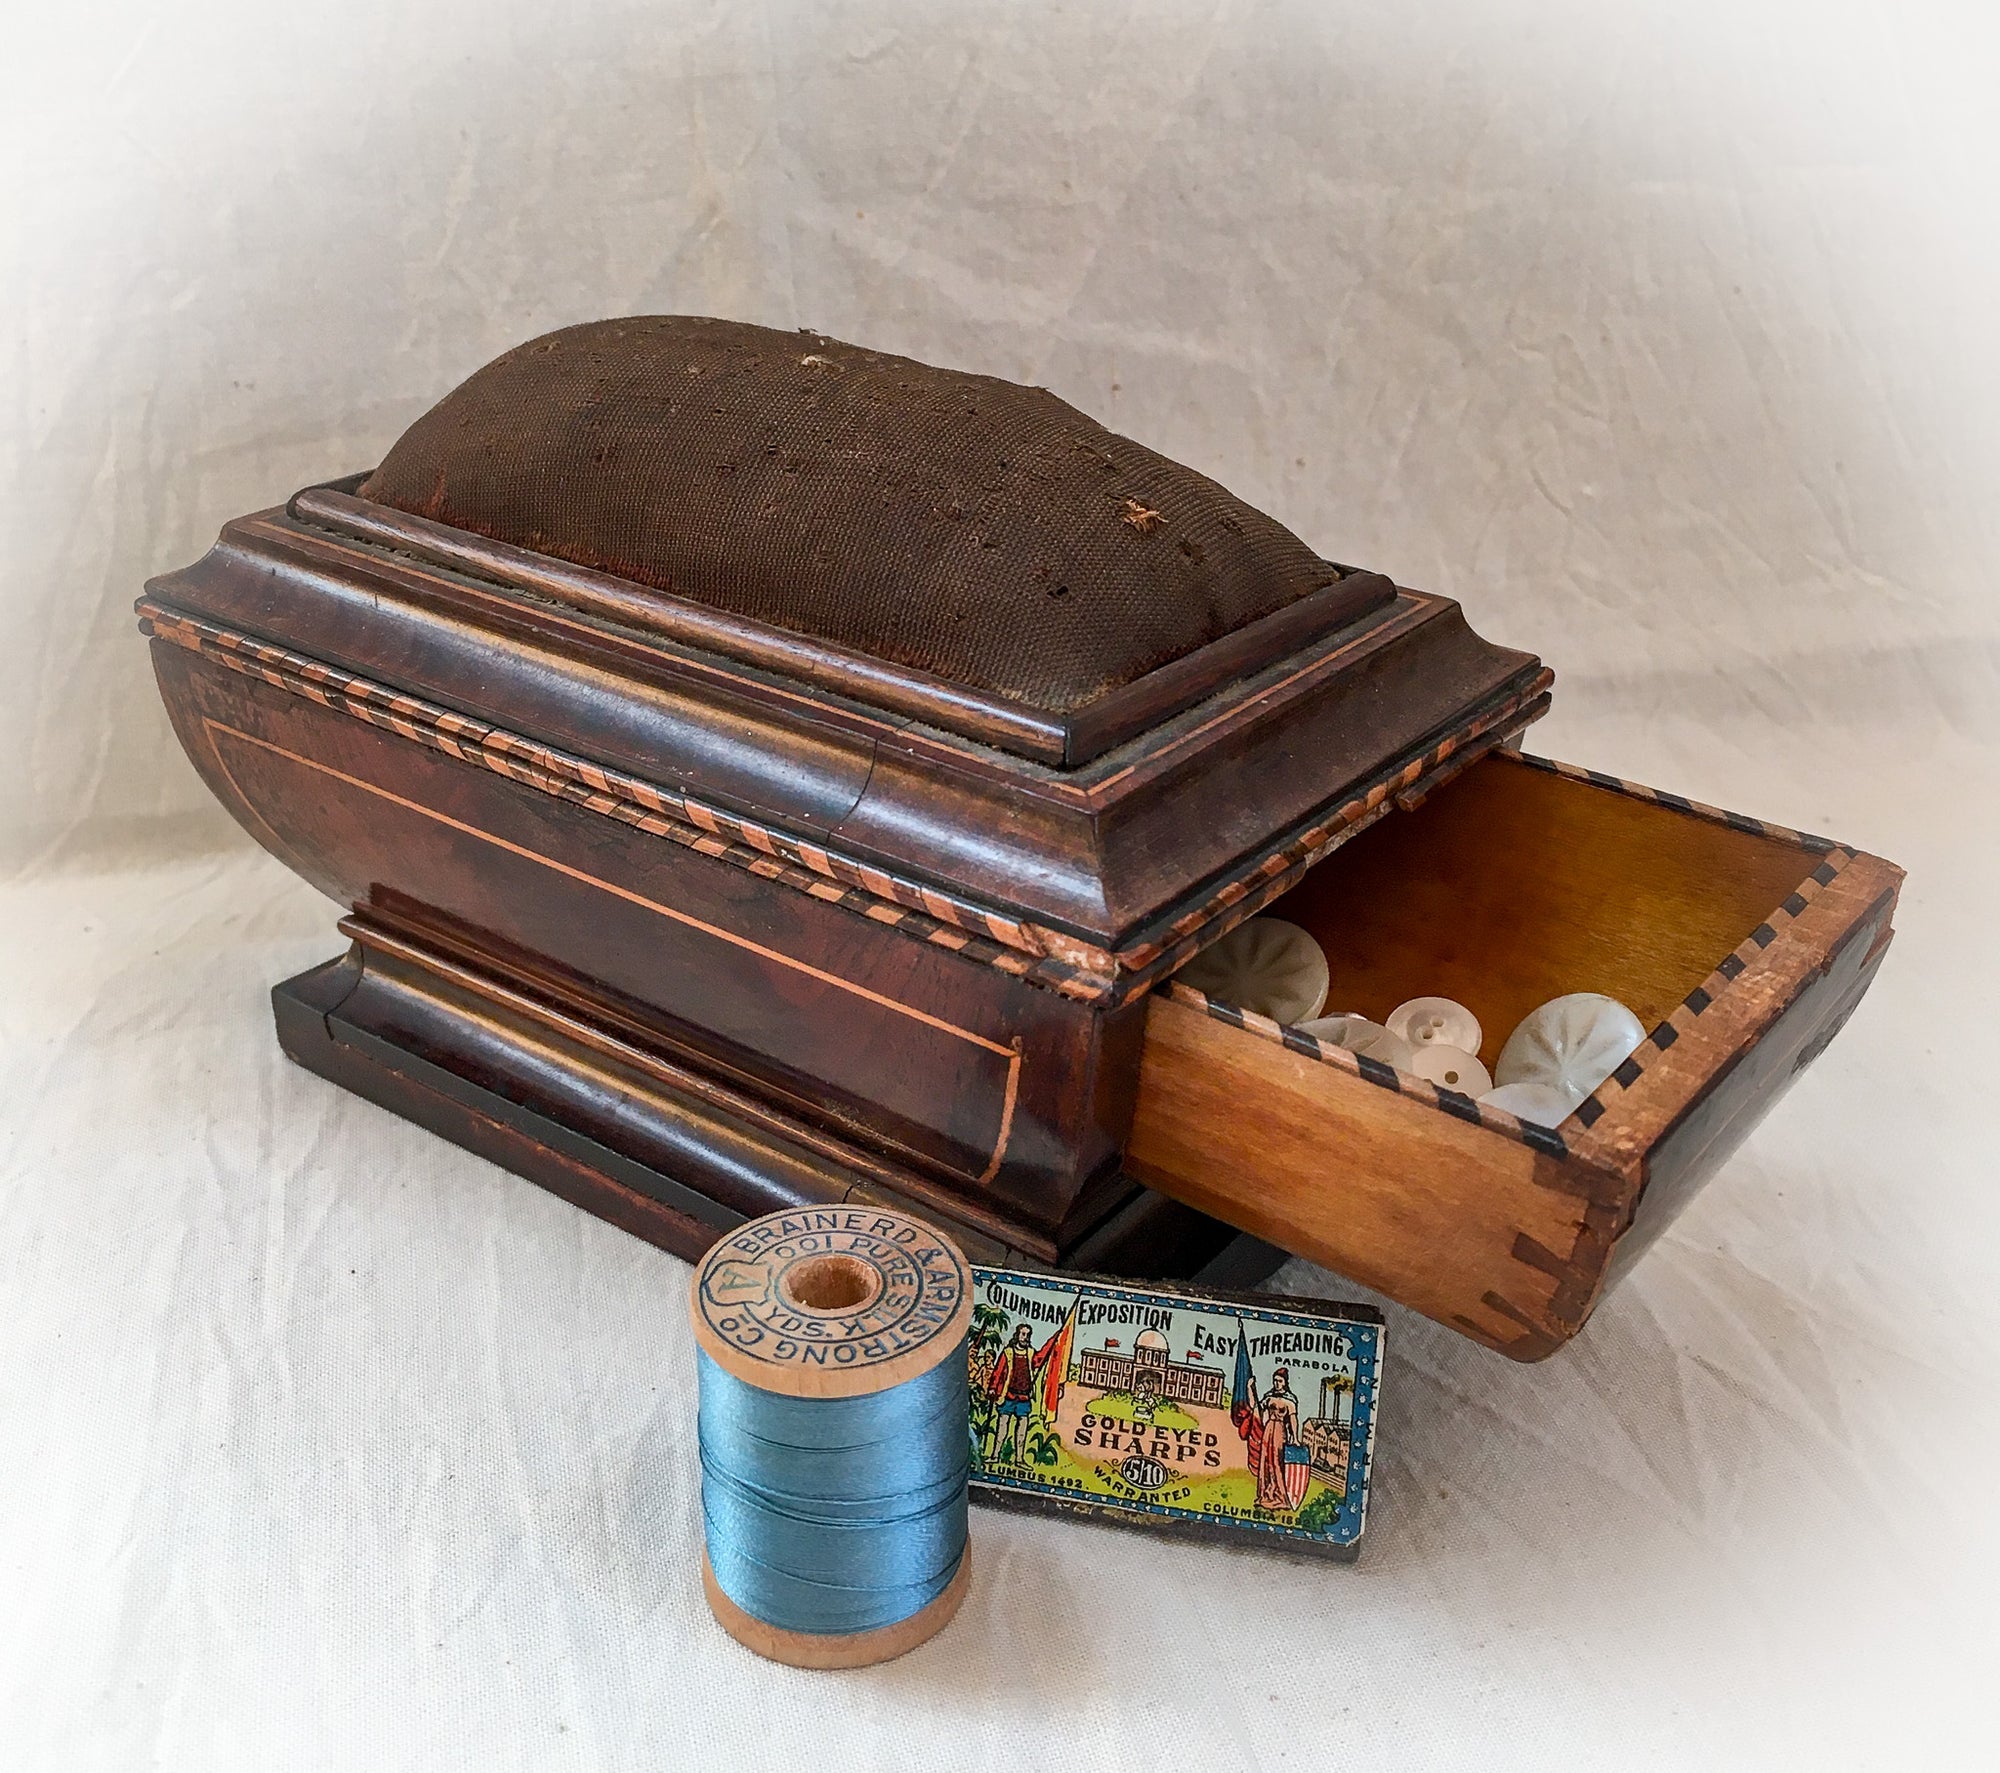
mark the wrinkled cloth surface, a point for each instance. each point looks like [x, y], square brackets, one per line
[1658, 334]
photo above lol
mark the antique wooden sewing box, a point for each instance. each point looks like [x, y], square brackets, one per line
[764, 772]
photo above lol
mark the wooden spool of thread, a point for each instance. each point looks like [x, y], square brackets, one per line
[834, 1445]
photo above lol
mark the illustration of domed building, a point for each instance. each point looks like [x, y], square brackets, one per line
[1150, 1368]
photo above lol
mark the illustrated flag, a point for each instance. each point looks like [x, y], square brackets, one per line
[1052, 1362]
[1243, 1399]
[1282, 1467]
[1298, 1473]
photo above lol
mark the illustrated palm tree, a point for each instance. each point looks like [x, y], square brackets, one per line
[989, 1331]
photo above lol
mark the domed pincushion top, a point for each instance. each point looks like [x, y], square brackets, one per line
[982, 532]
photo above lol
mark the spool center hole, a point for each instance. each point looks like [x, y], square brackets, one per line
[828, 1283]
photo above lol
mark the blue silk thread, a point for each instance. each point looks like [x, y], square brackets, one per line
[834, 1515]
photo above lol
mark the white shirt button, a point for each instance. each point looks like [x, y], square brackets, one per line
[1570, 1043]
[1450, 1068]
[1436, 1021]
[1267, 966]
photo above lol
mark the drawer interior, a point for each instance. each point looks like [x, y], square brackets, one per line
[1513, 884]
[1740, 947]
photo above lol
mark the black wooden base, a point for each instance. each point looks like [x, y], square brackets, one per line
[656, 1147]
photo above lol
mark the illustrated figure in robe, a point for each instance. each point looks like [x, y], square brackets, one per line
[1279, 1461]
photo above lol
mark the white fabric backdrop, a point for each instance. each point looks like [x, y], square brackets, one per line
[1662, 334]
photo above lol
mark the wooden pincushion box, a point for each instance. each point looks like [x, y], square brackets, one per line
[764, 772]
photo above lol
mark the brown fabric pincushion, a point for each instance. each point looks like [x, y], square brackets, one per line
[982, 531]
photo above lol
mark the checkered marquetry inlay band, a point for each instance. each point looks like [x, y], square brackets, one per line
[1593, 1108]
[1451, 1102]
[916, 911]
[1251, 888]
[921, 912]
[1679, 803]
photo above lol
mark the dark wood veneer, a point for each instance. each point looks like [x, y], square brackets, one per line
[880, 938]
[1096, 853]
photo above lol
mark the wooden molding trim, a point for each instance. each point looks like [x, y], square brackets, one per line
[979, 933]
[1253, 884]
[925, 913]
[1063, 741]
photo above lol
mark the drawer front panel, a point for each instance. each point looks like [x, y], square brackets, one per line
[956, 1064]
[1745, 946]
[1479, 1231]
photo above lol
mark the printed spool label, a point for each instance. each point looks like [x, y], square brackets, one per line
[917, 1288]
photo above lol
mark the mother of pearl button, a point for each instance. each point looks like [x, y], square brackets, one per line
[1573, 1043]
[1359, 1035]
[1267, 966]
[1541, 1105]
[1451, 1068]
[1429, 1021]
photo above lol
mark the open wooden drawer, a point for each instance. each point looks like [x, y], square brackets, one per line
[1743, 946]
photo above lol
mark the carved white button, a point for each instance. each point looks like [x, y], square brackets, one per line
[1541, 1105]
[1359, 1035]
[1451, 1068]
[1572, 1043]
[1436, 1021]
[1266, 965]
